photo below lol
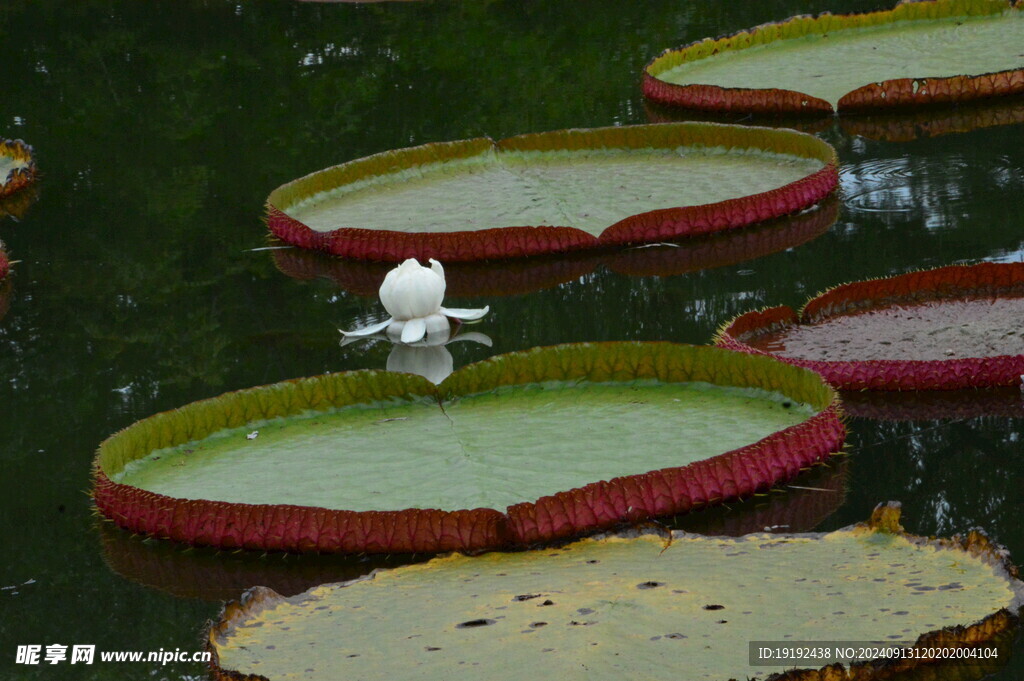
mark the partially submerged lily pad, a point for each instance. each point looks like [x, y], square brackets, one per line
[17, 166]
[553, 192]
[525, 275]
[918, 53]
[521, 448]
[632, 606]
[943, 329]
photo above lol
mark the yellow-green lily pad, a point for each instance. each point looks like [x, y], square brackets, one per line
[629, 606]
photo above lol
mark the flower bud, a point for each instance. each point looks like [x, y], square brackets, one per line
[411, 291]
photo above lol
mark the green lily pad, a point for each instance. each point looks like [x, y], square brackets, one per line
[553, 192]
[628, 606]
[918, 53]
[490, 450]
[524, 439]
[589, 189]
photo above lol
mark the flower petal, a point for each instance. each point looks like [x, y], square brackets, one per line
[350, 339]
[473, 337]
[436, 267]
[367, 330]
[439, 329]
[395, 331]
[415, 329]
[465, 314]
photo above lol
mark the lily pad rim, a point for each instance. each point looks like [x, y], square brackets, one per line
[813, 439]
[884, 519]
[783, 101]
[467, 245]
[786, 316]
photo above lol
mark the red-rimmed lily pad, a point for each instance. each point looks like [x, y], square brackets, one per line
[918, 53]
[943, 329]
[636, 606]
[518, 449]
[17, 166]
[553, 192]
[524, 275]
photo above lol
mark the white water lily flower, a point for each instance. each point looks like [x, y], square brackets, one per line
[412, 295]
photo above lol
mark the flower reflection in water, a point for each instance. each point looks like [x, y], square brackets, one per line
[429, 357]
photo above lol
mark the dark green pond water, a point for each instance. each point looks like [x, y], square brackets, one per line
[160, 127]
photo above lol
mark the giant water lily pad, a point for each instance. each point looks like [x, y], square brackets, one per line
[929, 52]
[943, 329]
[631, 607]
[17, 166]
[524, 275]
[521, 448]
[553, 192]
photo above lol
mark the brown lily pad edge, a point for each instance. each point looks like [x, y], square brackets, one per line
[596, 506]
[889, 94]
[526, 275]
[514, 241]
[952, 283]
[996, 629]
[18, 178]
